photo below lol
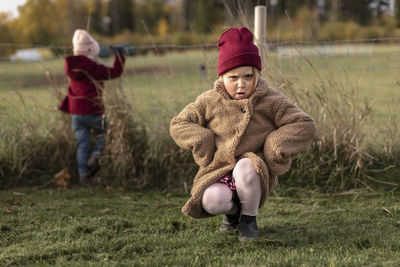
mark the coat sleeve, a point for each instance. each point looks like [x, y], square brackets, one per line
[189, 132]
[294, 133]
[101, 72]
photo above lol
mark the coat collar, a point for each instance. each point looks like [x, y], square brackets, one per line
[260, 90]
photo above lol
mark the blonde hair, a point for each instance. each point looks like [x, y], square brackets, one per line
[256, 76]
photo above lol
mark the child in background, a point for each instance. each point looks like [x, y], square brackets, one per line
[84, 101]
[242, 134]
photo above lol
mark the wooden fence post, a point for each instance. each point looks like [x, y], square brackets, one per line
[260, 29]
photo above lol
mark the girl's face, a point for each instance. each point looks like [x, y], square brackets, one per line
[239, 82]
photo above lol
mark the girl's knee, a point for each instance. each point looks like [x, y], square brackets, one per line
[245, 164]
[245, 172]
[217, 199]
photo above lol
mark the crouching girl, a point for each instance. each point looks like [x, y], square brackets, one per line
[242, 134]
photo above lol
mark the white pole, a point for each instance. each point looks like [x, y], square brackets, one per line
[391, 7]
[260, 25]
[260, 31]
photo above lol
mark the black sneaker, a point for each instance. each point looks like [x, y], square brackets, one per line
[247, 228]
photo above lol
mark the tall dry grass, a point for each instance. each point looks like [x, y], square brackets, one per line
[29, 154]
[339, 157]
[126, 143]
[138, 159]
[32, 146]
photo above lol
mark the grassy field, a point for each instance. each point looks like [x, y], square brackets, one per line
[159, 86]
[352, 97]
[375, 74]
[102, 226]
[95, 227]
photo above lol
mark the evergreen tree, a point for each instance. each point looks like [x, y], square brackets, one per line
[96, 24]
[397, 12]
[121, 14]
[150, 13]
[206, 14]
[357, 11]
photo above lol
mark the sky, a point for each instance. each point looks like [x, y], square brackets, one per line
[11, 6]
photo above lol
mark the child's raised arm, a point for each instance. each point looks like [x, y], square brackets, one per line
[189, 132]
[101, 72]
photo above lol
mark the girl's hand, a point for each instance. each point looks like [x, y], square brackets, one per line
[117, 49]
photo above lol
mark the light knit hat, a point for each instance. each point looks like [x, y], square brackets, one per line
[84, 44]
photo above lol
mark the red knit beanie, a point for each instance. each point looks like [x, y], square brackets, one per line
[236, 49]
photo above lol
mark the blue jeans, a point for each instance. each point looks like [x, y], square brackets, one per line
[82, 124]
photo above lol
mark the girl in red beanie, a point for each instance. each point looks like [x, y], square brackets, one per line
[242, 134]
[84, 101]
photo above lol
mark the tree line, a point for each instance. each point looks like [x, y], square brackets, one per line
[53, 21]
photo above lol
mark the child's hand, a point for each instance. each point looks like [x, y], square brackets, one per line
[277, 161]
[117, 49]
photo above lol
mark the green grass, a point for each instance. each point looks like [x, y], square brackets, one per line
[92, 227]
[376, 75]
[163, 85]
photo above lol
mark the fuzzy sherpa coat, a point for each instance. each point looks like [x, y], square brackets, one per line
[265, 127]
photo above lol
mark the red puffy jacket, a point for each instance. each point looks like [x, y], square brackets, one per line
[86, 78]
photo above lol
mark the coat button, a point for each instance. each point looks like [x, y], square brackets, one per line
[243, 110]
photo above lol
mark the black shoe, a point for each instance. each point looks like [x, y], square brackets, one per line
[247, 228]
[93, 166]
[84, 180]
[230, 223]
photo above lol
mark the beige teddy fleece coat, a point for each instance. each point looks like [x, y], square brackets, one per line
[265, 127]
